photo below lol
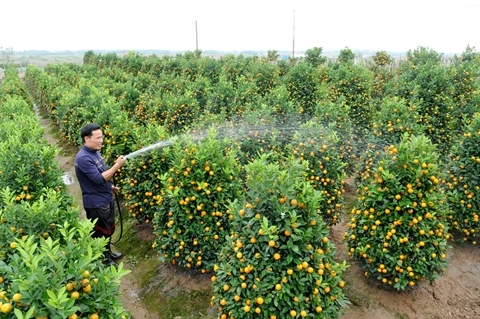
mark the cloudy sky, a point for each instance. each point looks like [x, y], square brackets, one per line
[225, 25]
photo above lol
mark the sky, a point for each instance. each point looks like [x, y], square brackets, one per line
[226, 25]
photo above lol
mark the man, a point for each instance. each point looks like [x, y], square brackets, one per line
[97, 190]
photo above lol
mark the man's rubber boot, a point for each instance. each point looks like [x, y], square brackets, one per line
[108, 261]
[114, 256]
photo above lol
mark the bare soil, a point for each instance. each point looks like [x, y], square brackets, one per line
[455, 295]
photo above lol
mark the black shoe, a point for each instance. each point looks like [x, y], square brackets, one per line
[115, 256]
[110, 262]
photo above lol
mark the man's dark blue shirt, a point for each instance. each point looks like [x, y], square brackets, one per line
[89, 166]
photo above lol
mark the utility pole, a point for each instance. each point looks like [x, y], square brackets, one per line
[196, 36]
[293, 47]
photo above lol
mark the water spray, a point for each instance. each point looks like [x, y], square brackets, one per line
[161, 144]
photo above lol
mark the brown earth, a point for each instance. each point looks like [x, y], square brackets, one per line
[455, 295]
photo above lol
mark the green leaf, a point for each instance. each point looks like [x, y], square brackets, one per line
[19, 314]
[296, 250]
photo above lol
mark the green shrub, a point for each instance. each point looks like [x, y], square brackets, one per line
[398, 229]
[141, 176]
[301, 86]
[17, 119]
[57, 278]
[394, 118]
[324, 170]
[352, 84]
[427, 84]
[13, 86]
[39, 217]
[278, 260]
[463, 183]
[28, 169]
[192, 221]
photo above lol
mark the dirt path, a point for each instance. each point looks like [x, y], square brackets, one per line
[128, 288]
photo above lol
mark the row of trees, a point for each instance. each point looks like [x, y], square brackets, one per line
[396, 130]
[50, 267]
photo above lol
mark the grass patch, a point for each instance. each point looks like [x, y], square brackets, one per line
[357, 298]
[350, 197]
[187, 305]
[135, 242]
[166, 290]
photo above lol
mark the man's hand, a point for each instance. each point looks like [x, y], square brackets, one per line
[121, 161]
[115, 189]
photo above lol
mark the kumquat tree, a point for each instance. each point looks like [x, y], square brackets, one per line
[193, 220]
[398, 229]
[463, 184]
[278, 261]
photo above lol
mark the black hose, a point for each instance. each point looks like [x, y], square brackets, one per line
[119, 213]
